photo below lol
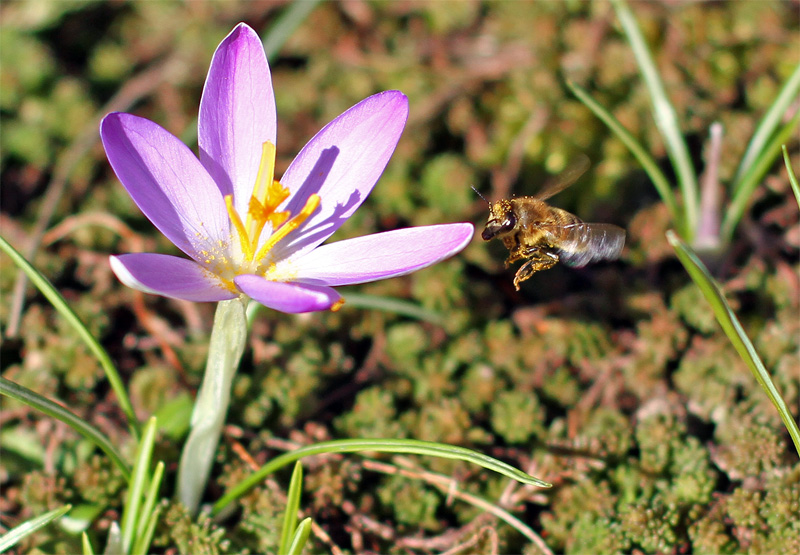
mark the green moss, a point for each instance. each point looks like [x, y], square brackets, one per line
[517, 416]
[190, 535]
[411, 502]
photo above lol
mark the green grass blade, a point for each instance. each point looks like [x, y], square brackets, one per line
[398, 306]
[665, 117]
[86, 545]
[51, 408]
[94, 346]
[300, 537]
[741, 197]
[292, 505]
[792, 176]
[147, 509]
[286, 24]
[733, 329]
[408, 446]
[133, 498]
[143, 540]
[10, 538]
[660, 181]
[767, 126]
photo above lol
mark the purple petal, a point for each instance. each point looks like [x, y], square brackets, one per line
[342, 163]
[237, 114]
[382, 255]
[167, 183]
[169, 276]
[287, 297]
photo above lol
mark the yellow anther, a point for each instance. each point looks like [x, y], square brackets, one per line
[264, 177]
[337, 305]
[311, 205]
[244, 239]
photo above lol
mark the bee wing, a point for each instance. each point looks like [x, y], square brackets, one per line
[570, 175]
[585, 243]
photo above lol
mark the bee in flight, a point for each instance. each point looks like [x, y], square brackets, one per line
[532, 230]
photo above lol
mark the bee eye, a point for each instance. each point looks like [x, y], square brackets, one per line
[509, 223]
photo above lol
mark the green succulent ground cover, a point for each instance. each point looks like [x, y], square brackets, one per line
[615, 382]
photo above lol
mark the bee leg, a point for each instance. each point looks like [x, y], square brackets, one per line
[515, 250]
[542, 260]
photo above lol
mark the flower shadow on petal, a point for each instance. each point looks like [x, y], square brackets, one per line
[215, 169]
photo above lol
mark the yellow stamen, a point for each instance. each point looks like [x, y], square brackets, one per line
[244, 239]
[337, 305]
[311, 205]
[264, 180]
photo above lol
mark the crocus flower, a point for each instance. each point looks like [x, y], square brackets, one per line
[245, 232]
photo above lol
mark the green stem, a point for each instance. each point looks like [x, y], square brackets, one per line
[227, 344]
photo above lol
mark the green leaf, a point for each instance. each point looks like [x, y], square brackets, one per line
[45, 405]
[13, 536]
[408, 446]
[733, 329]
[142, 542]
[398, 306]
[665, 118]
[766, 127]
[300, 537]
[135, 494]
[58, 302]
[792, 176]
[86, 545]
[80, 518]
[753, 176]
[292, 505]
[283, 27]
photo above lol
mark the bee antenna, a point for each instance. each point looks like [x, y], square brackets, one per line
[480, 195]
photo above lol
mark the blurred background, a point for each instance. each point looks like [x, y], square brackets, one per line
[614, 381]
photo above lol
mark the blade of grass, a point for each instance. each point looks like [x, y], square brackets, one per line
[665, 118]
[660, 181]
[86, 545]
[147, 509]
[292, 505]
[135, 494]
[142, 545]
[13, 536]
[767, 126]
[748, 184]
[410, 446]
[58, 302]
[300, 537]
[792, 176]
[733, 329]
[286, 24]
[398, 306]
[51, 408]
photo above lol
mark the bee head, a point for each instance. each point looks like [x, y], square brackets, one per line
[501, 220]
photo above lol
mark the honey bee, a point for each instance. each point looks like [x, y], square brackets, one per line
[531, 229]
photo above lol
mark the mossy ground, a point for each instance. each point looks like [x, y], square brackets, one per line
[613, 382]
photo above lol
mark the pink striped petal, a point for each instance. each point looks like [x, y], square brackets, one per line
[167, 183]
[382, 255]
[341, 164]
[287, 297]
[169, 276]
[237, 114]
